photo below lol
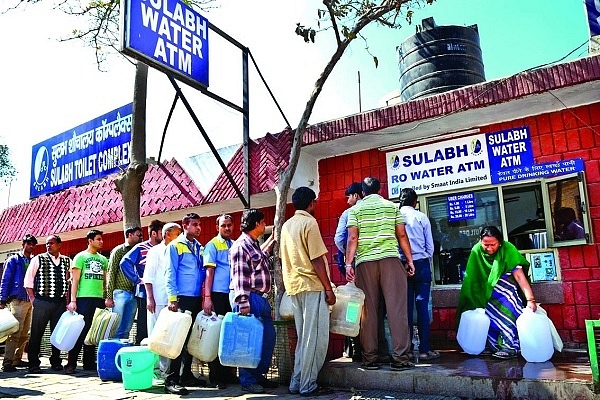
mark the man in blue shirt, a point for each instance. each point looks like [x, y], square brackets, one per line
[418, 230]
[12, 291]
[132, 265]
[185, 276]
[216, 290]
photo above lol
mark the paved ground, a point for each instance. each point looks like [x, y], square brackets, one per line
[84, 385]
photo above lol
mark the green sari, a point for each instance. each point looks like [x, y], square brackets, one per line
[483, 272]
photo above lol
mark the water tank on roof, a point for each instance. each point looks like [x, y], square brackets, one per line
[438, 59]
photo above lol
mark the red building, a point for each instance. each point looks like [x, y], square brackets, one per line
[538, 136]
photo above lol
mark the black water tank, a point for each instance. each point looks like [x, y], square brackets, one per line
[438, 59]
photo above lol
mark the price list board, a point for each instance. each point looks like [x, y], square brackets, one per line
[461, 206]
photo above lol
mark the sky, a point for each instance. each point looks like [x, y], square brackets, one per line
[48, 86]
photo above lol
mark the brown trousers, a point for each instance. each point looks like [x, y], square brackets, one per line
[389, 276]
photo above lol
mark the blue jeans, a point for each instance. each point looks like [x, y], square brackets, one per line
[261, 309]
[125, 306]
[419, 286]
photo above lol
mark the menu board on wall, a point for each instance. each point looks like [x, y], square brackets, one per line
[461, 206]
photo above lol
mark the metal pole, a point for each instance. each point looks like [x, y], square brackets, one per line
[208, 141]
[246, 122]
[162, 141]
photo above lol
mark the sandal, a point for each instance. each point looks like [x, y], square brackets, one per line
[505, 355]
[430, 355]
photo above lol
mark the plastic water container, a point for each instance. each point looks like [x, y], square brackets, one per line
[67, 331]
[169, 333]
[136, 364]
[285, 308]
[535, 336]
[107, 350]
[8, 324]
[204, 340]
[240, 344]
[344, 318]
[472, 331]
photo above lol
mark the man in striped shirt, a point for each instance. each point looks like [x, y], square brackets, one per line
[251, 283]
[375, 229]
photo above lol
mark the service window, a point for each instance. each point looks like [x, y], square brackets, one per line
[534, 216]
[456, 220]
[567, 205]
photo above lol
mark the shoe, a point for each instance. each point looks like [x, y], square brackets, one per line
[218, 385]
[505, 355]
[35, 370]
[253, 388]
[370, 366]
[295, 391]
[9, 368]
[319, 391]
[192, 381]
[430, 355]
[174, 388]
[69, 369]
[401, 365]
[57, 367]
[267, 384]
[21, 364]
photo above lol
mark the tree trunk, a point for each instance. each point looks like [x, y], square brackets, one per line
[129, 182]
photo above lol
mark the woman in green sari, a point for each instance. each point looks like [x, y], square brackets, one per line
[496, 279]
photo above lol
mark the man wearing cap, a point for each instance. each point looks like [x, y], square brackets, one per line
[13, 292]
[132, 266]
[353, 196]
[47, 285]
[216, 290]
[155, 282]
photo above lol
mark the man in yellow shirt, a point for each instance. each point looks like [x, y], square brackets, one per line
[306, 280]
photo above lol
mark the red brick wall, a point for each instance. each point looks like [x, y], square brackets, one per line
[558, 135]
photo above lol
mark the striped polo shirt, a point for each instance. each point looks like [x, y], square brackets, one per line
[376, 219]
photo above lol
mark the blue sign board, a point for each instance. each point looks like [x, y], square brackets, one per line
[538, 171]
[88, 152]
[461, 206]
[169, 35]
[509, 149]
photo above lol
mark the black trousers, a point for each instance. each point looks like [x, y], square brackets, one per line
[142, 320]
[44, 311]
[173, 372]
[218, 372]
[86, 306]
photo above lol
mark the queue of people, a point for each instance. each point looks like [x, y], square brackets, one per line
[386, 250]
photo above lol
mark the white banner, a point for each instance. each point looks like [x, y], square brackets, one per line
[448, 165]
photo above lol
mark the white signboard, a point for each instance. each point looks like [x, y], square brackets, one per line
[448, 165]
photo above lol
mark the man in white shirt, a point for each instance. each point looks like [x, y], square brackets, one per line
[155, 281]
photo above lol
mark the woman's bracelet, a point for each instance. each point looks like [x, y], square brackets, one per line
[531, 300]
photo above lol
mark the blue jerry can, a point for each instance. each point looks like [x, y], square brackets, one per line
[240, 343]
